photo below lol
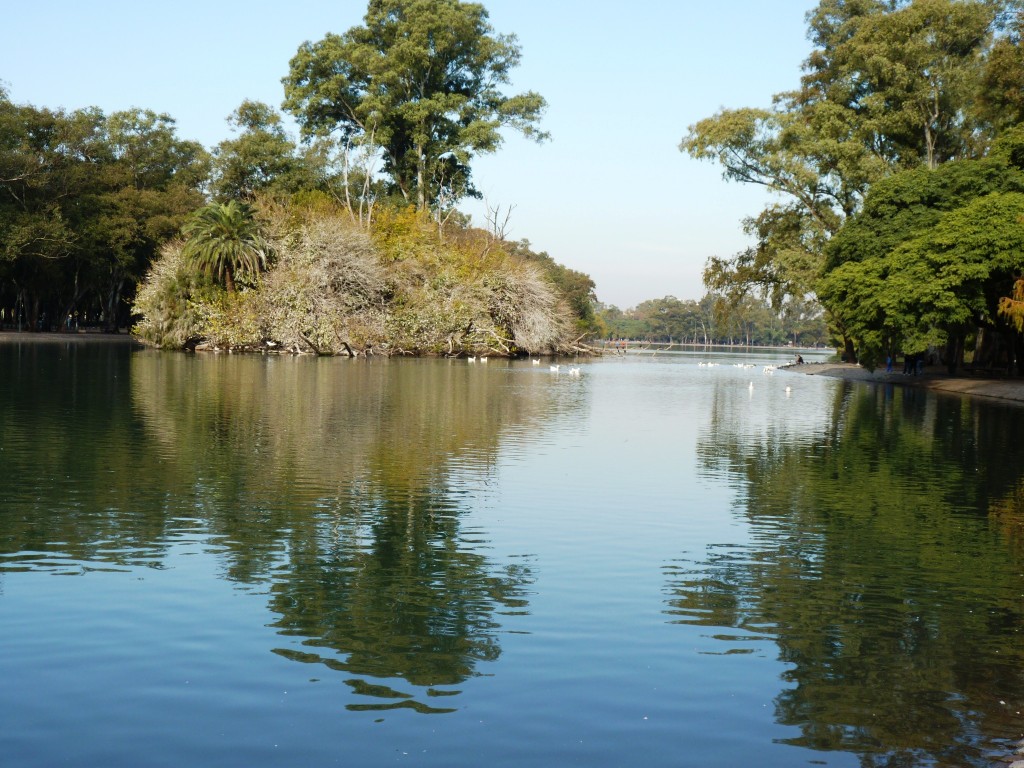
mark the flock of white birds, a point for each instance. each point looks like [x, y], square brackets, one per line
[573, 369]
[768, 370]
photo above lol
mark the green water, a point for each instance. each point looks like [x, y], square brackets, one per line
[274, 561]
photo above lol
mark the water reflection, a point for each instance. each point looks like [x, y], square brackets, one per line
[336, 487]
[389, 588]
[880, 568]
[72, 471]
[337, 479]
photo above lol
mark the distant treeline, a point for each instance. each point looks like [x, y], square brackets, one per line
[713, 320]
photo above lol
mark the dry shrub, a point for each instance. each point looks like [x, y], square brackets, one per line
[333, 289]
[328, 290]
[526, 307]
[171, 301]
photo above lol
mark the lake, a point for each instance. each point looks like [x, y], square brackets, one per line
[668, 560]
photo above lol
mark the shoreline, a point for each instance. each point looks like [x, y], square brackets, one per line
[936, 380]
[932, 379]
[53, 337]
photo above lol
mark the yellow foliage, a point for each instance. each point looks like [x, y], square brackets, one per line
[1012, 307]
[403, 286]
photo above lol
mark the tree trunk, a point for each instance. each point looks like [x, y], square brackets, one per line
[113, 297]
[954, 352]
[849, 351]
[421, 180]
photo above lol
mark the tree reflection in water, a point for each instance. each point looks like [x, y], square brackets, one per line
[393, 590]
[328, 483]
[335, 486]
[885, 566]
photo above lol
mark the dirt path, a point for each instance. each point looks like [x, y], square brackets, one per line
[975, 386]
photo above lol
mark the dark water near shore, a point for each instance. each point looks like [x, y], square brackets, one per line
[269, 561]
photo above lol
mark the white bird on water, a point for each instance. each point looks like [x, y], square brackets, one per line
[470, 359]
[554, 368]
[574, 371]
[535, 361]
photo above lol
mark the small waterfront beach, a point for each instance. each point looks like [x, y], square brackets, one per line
[936, 379]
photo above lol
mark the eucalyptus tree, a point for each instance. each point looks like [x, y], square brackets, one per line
[224, 240]
[890, 85]
[421, 82]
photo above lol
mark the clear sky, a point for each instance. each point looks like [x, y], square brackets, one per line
[609, 195]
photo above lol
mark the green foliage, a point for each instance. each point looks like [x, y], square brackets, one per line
[86, 200]
[930, 255]
[1001, 98]
[421, 80]
[262, 158]
[889, 87]
[224, 240]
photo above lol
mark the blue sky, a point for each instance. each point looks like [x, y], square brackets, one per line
[609, 195]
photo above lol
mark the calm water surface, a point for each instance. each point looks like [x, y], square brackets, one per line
[268, 561]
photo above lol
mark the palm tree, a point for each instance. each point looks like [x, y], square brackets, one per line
[224, 240]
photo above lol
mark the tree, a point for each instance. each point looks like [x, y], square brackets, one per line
[85, 201]
[263, 157]
[224, 240]
[421, 81]
[891, 85]
[902, 76]
[147, 187]
[930, 256]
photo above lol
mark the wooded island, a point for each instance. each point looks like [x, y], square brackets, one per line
[898, 164]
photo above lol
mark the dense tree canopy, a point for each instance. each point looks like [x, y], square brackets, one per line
[85, 201]
[931, 254]
[891, 88]
[263, 158]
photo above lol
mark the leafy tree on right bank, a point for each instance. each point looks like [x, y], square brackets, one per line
[928, 260]
[889, 87]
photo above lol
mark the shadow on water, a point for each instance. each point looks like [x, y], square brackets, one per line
[885, 567]
[336, 487]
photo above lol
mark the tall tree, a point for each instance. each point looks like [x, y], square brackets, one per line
[890, 85]
[422, 81]
[930, 255]
[902, 76]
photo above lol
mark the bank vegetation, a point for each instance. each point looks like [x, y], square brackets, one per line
[346, 239]
[896, 164]
[331, 286]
